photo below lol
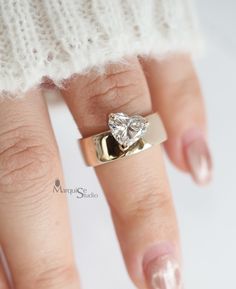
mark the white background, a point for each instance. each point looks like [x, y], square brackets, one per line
[207, 217]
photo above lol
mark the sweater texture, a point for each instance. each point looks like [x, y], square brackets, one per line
[57, 38]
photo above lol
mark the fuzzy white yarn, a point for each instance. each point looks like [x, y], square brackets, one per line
[57, 38]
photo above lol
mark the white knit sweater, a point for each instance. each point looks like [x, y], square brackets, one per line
[57, 38]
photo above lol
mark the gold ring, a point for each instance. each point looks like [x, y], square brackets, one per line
[128, 135]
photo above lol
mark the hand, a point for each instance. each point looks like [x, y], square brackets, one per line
[34, 228]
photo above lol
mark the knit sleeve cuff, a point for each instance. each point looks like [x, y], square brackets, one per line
[59, 38]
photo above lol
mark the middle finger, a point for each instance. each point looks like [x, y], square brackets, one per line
[34, 224]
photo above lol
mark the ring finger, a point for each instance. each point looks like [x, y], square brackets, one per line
[136, 188]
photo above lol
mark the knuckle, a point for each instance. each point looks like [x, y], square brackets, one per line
[148, 204]
[150, 207]
[151, 197]
[121, 88]
[26, 159]
[57, 277]
[49, 275]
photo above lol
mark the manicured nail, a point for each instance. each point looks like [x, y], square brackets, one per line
[198, 158]
[163, 273]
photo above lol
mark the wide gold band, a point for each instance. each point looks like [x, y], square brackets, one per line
[103, 148]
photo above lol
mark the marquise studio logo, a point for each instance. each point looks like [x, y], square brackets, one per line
[78, 192]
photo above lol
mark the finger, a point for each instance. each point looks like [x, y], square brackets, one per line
[136, 188]
[34, 226]
[176, 93]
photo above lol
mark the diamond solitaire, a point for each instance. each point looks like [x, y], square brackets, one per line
[128, 136]
[127, 130]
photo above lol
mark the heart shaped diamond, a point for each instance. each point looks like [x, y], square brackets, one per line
[127, 130]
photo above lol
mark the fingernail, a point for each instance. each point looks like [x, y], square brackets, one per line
[198, 158]
[163, 273]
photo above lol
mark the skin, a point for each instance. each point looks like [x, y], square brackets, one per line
[34, 227]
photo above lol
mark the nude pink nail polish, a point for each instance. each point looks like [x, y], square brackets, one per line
[197, 156]
[163, 273]
[161, 268]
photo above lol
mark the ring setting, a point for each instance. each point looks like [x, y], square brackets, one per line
[127, 136]
[127, 130]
